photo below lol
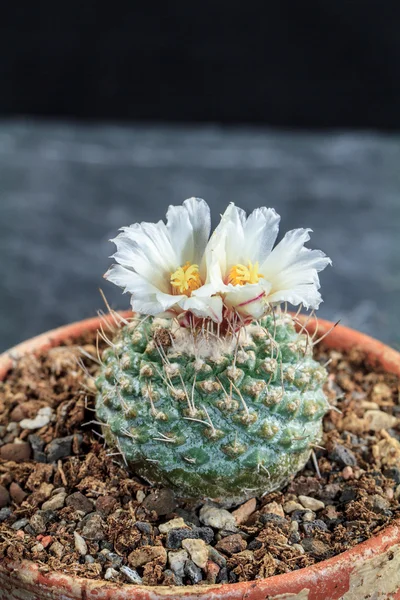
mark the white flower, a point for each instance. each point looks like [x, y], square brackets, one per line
[162, 265]
[243, 266]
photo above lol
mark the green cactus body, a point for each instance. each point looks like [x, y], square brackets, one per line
[220, 417]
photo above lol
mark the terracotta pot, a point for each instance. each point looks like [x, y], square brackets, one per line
[369, 570]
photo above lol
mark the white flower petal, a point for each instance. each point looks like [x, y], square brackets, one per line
[144, 295]
[260, 232]
[204, 307]
[230, 231]
[306, 294]
[292, 270]
[146, 249]
[247, 300]
[189, 227]
[238, 240]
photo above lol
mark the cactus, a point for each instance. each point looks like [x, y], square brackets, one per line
[226, 417]
[210, 390]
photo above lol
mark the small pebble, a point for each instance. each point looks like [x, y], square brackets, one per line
[55, 502]
[140, 495]
[176, 561]
[46, 541]
[331, 512]
[110, 573]
[393, 473]
[144, 527]
[105, 505]
[79, 502]
[93, 527]
[308, 516]
[89, 560]
[16, 452]
[231, 544]
[244, 511]
[80, 544]
[171, 578]
[396, 494]
[273, 508]
[177, 523]
[223, 575]
[7, 512]
[377, 420]
[299, 548]
[294, 537]
[197, 550]
[280, 522]
[37, 445]
[343, 456]
[17, 413]
[219, 518]
[38, 522]
[17, 493]
[42, 419]
[189, 517]
[4, 496]
[59, 448]
[212, 571]
[12, 427]
[162, 501]
[330, 491]
[309, 529]
[37, 548]
[379, 504]
[347, 495]
[20, 524]
[131, 574]
[216, 557]
[175, 536]
[348, 473]
[290, 506]
[193, 572]
[311, 503]
[304, 485]
[114, 559]
[57, 549]
[389, 493]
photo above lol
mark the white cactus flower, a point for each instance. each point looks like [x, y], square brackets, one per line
[162, 265]
[250, 274]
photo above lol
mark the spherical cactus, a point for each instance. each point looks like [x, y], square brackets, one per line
[211, 391]
[225, 417]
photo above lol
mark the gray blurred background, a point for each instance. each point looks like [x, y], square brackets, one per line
[108, 115]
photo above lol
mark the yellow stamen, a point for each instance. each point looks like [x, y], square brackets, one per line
[186, 279]
[240, 275]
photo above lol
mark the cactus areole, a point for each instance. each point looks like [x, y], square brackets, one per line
[209, 389]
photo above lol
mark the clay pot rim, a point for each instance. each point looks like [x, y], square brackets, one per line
[341, 338]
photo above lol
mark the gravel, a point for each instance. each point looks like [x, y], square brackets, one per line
[193, 572]
[218, 518]
[176, 536]
[79, 502]
[343, 456]
[132, 575]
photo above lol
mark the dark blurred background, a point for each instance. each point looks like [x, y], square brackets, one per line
[110, 113]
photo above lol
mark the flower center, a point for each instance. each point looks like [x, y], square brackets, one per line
[240, 275]
[186, 279]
